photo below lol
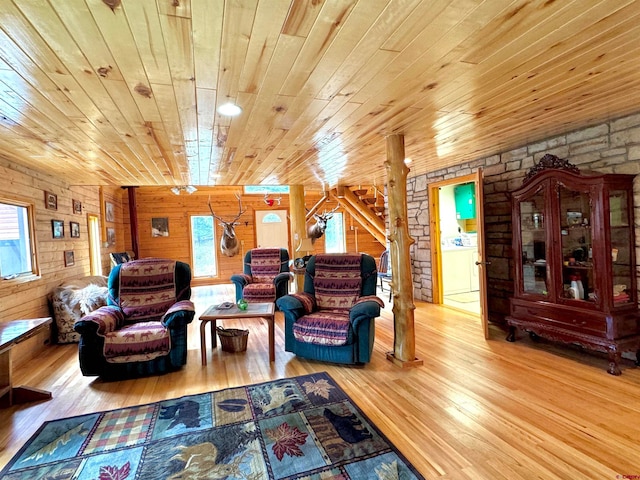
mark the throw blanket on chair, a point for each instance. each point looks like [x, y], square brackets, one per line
[337, 284]
[147, 289]
[147, 292]
[265, 264]
[337, 281]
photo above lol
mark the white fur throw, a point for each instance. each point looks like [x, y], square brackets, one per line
[89, 298]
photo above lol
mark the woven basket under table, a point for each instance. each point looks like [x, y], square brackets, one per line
[233, 339]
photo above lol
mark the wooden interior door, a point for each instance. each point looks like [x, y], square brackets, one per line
[481, 262]
[272, 229]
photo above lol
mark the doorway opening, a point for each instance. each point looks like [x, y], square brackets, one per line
[451, 235]
[459, 246]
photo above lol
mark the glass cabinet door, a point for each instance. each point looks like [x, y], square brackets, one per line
[620, 247]
[578, 281]
[534, 245]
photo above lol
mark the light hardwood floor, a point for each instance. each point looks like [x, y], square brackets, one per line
[476, 409]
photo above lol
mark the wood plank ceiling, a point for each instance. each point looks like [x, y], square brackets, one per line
[124, 92]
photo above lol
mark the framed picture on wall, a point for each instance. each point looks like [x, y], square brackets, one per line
[111, 236]
[57, 228]
[69, 258]
[109, 213]
[74, 228]
[50, 201]
[160, 227]
[77, 206]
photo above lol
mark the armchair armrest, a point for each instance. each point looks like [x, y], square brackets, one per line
[241, 279]
[365, 308]
[282, 277]
[179, 314]
[101, 321]
[304, 302]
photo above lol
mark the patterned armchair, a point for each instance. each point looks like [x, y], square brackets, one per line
[333, 318]
[265, 276]
[143, 328]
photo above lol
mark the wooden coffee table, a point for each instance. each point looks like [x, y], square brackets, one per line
[254, 310]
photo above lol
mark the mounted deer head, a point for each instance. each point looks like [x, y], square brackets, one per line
[316, 230]
[228, 242]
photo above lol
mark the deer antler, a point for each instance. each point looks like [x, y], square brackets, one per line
[329, 214]
[240, 211]
[211, 209]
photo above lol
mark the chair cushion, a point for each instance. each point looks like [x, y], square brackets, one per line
[137, 343]
[265, 264]
[147, 289]
[325, 327]
[337, 281]
[259, 292]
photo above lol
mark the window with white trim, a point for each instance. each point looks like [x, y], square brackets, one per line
[17, 244]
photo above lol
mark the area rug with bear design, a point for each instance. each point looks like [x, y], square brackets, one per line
[300, 427]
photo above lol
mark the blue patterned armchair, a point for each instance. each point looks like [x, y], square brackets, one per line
[143, 328]
[265, 276]
[333, 319]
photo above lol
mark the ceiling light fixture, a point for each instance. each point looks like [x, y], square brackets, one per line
[188, 189]
[229, 109]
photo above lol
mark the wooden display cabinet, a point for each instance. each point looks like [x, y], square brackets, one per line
[574, 254]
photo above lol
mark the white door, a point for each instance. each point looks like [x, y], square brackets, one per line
[272, 229]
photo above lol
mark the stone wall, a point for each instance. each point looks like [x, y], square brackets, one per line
[612, 147]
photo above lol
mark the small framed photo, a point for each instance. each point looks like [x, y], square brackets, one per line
[69, 258]
[160, 227]
[109, 212]
[50, 201]
[57, 228]
[111, 236]
[74, 228]
[77, 206]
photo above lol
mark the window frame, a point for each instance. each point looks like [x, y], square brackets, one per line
[31, 224]
[343, 246]
[204, 278]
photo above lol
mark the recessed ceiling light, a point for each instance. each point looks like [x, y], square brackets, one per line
[229, 109]
[407, 161]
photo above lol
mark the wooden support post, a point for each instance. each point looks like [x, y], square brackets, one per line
[133, 220]
[404, 344]
[298, 227]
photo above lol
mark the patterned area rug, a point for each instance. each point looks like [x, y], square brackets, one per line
[302, 427]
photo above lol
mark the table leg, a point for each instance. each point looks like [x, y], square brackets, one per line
[203, 342]
[214, 336]
[10, 395]
[272, 342]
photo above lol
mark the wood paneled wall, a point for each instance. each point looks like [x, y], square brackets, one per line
[160, 202]
[27, 298]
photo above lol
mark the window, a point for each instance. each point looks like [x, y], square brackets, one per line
[271, 218]
[94, 244]
[17, 248]
[203, 246]
[262, 189]
[334, 235]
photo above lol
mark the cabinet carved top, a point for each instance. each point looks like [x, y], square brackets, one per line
[547, 162]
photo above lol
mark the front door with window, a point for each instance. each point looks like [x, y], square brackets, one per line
[272, 229]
